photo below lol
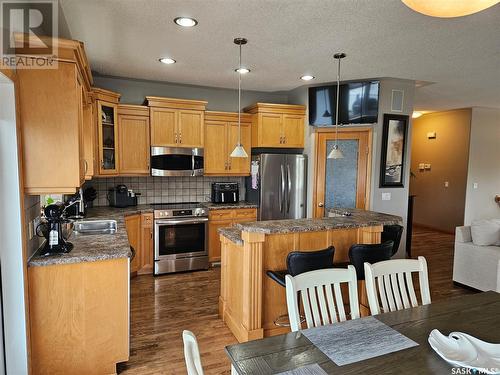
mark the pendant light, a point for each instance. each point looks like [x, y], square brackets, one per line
[239, 151]
[449, 8]
[336, 153]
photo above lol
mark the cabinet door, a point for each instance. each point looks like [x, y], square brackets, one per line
[190, 128]
[89, 140]
[293, 131]
[215, 150]
[147, 259]
[239, 166]
[133, 134]
[270, 130]
[214, 246]
[81, 150]
[133, 226]
[108, 138]
[163, 127]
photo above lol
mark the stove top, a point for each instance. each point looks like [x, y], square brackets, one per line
[185, 209]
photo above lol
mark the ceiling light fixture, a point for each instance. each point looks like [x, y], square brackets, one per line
[185, 21]
[336, 153]
[239, 151]
[307, 77]
[416, 114]
[242, 70]
[167, 60]
[449, 8]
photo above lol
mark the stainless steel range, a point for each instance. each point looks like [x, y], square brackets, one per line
[180, 237]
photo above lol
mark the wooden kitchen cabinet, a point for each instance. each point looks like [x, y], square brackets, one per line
[277, 125]
[133, 226]
[107, 131]
[221, 137]
[176, 122]
[133, 140]
[147, 258]
[51, 117]
[89, 137]
[222, 219]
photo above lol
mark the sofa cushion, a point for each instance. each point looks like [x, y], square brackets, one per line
[486, 232]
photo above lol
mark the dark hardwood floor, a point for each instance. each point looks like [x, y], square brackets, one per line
[162, 307]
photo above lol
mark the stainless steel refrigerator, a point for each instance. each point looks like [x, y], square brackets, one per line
[278, 185]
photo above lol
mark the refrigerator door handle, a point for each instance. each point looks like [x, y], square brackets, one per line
[289, 188]
[282, 198]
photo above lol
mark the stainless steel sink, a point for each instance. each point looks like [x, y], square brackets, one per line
[95, 227]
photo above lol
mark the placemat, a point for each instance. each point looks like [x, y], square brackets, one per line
[314, 369]
[356, 340]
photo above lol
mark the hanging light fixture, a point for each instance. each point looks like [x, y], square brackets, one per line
[336, 153]
[449, 8]
[239, 151]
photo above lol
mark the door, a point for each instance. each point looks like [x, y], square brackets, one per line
[296, 186]
[190, 128]
[134, 144]
[216, 150]
[108, 136]
[272, 187]
[163, 127]
[270, 130]
[293, 131]
[342, 183]
[239, 166]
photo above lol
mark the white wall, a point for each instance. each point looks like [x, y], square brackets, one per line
[11, 256]
[484, 165]
[398, 205]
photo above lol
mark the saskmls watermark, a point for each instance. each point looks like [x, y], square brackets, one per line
[473, 371]
[28, 34]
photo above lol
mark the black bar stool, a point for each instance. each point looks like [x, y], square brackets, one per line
[392, 233]
[298, 262]
[371, 253]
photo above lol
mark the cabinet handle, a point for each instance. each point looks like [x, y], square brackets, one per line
[86, 165]
[175, 137]
[284, 139]
[225, 167]
[102, 164]
[229, 165]
[180, 137]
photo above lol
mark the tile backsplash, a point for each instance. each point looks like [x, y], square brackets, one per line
[162, 189]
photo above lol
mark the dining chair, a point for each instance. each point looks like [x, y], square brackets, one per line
[321, 296]
[191, 353]
[393, 279]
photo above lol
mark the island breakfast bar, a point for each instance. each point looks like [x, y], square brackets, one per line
[249, 301]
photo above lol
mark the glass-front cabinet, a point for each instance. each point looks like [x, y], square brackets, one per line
[108, 138]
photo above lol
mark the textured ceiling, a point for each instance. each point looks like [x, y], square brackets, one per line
[289, 38]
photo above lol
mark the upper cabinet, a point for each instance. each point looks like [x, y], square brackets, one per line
[107, 131]
[53, 108]
[221, 137]
[277, 125]
[133, 139]
[176, 122]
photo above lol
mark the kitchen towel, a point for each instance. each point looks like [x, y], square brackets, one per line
[356, 340]
[306, 370]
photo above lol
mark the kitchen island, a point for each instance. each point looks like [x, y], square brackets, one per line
[249, 301]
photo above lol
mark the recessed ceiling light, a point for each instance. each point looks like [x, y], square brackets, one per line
[185, 21]
[167, 60]
[242, 70]
[416, 114]
[307, 77]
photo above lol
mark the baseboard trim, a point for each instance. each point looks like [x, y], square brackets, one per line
[466, 287]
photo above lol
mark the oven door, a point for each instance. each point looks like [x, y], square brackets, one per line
[180, 238]
[176, 161]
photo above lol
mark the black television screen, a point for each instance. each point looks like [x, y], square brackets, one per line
[358, 103]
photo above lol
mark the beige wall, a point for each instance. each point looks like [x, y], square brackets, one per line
[484, 165]
[436, 205]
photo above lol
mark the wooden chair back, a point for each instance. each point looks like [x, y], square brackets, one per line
[321, 296]
[389, 284]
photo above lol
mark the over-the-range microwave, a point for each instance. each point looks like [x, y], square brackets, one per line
[176, 161]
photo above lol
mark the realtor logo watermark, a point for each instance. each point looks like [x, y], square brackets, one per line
[473, 371]
[28, 34]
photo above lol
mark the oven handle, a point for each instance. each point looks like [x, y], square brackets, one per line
[181, 221]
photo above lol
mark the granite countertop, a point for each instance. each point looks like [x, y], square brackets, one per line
[358, 218]
[232, 234]
[95, 247]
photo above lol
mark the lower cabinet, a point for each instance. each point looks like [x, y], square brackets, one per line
[221, 219]
[79, 317]
[140, 236]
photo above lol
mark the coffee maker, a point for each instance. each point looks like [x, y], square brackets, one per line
[52, 230]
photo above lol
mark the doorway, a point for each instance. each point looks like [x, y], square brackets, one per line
[342, 183]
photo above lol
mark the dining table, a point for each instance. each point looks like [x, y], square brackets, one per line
[475, 314]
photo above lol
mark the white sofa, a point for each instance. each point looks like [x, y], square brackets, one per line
[473, 265]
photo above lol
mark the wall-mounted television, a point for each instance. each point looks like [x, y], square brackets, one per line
[358, 103]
